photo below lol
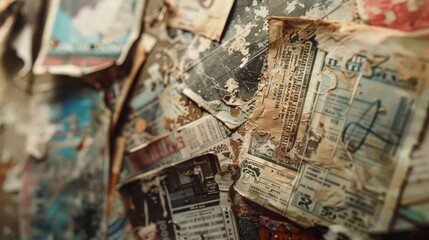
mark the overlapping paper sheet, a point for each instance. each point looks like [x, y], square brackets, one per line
[64, 186]
[84, 36]
[223, 77]
[206, 18]
[331, 131]
[196, 138]
[181, 201]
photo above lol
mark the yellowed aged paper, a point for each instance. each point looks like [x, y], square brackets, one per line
[335, 110]
[203, 17]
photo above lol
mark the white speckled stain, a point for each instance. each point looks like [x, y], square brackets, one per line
[239, 44]
[414, 5]
[231, 85]
[389, 17]
[261, 12]
[316, 11]
[292, 6]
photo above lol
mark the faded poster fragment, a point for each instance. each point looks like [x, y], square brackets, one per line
[201, 136]
[333, 125]
[405, 15]
[64, 186]
[224, 78]
[178, 202]
[80, 38]
[206, 18]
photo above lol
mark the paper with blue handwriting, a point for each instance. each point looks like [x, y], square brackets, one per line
[329, 139]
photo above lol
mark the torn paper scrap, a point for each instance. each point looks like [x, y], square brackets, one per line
[201, 136]
[333, 125]
[205, 17]
[80, 38]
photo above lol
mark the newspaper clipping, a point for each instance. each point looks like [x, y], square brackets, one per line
[330, 135]
[179, 202]
[201, 136]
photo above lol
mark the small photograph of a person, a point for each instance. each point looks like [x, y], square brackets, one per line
[197, 176]
[193, 181]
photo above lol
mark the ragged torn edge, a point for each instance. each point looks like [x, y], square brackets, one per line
[412, 194]
[410, 142]
[251, 124]
[231, 110]
[223, 110]
[232, 117]
[408, 199]
[254, 12]
[74, 70]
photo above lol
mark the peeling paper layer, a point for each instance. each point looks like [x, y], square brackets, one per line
[418, 178]
[333, 125]
[241, 55]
